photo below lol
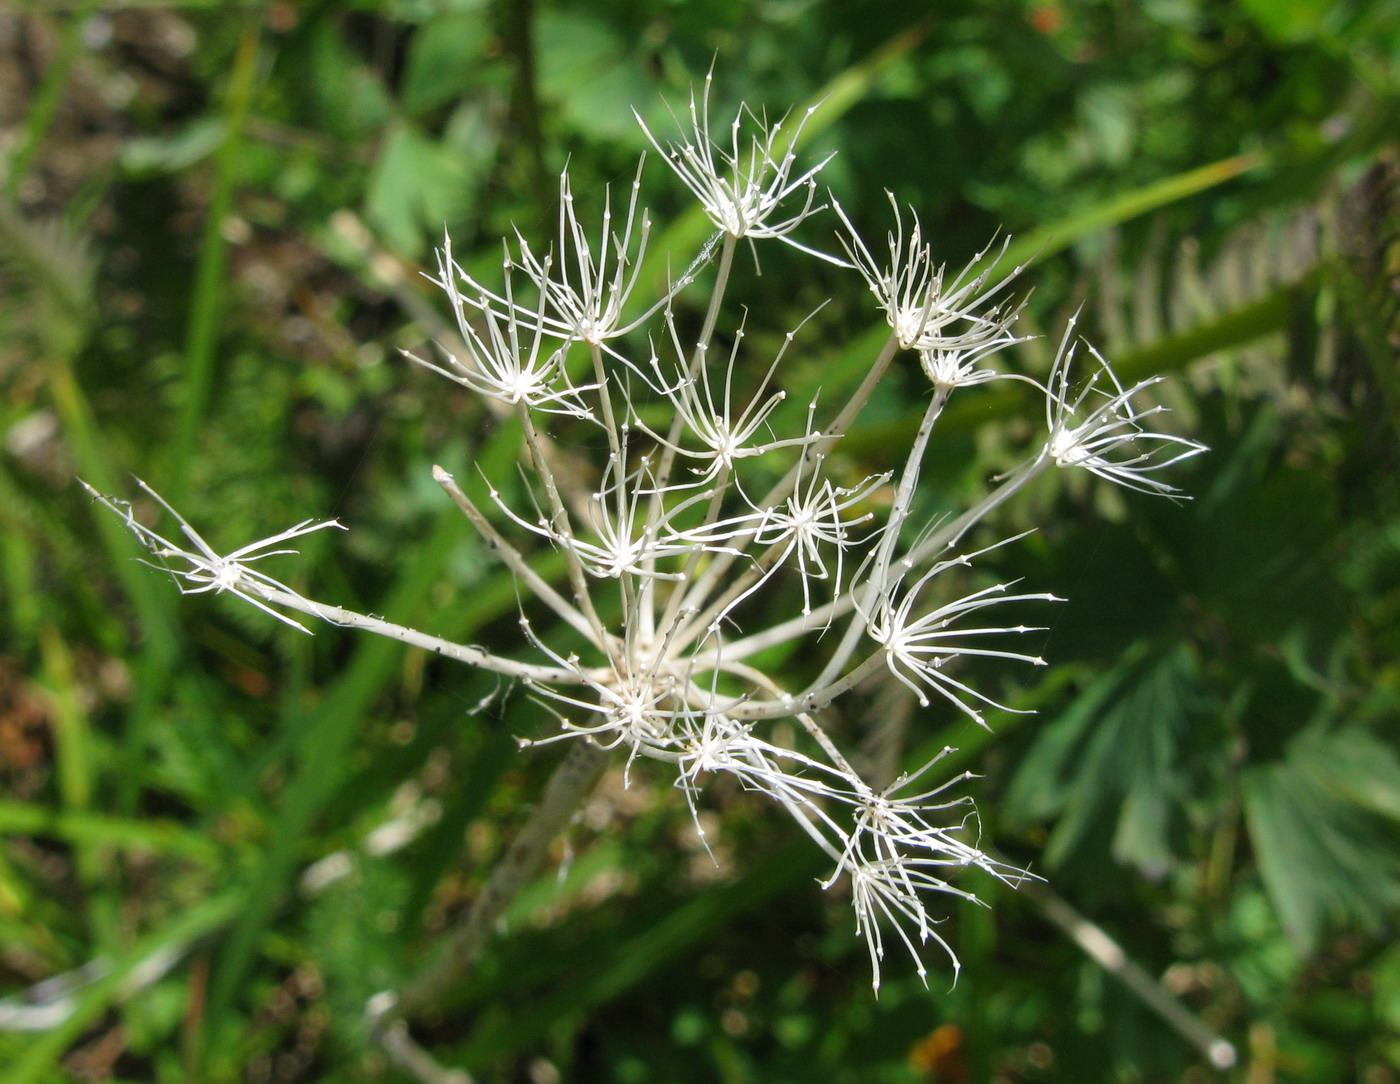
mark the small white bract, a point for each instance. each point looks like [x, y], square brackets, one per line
[747, 191]
[205, 570]
[706, 523]
[512, 362]
[950, 320]
[1100, 429]
[918, 640]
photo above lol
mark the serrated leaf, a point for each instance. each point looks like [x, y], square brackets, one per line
[1328, 850]
[1257, 536]
[418, 184]
[1116, 766]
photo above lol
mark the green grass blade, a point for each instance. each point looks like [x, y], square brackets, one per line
[44, 104]
[207, 305]
[1046, 241]
[330, 730]
[40, 1063]
[328, 733]
[84, 829]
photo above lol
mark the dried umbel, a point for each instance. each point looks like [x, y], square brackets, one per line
[703, 518]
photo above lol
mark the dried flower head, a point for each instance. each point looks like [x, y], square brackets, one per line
[705, 522]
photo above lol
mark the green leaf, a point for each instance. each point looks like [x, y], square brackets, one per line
[1265, 590]
[344, 94]
[1108, 114]
[419, 184]
[352, 929]
[618, 956]
[589, 76]
[1327, 844]
[324, 735]
[1116, 591]
[444, 59]
[1116, 766]
[1275, 311]
[1289, 20]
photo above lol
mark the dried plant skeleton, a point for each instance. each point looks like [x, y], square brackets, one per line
[705, 517]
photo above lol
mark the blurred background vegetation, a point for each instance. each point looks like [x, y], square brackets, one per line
[224, 836]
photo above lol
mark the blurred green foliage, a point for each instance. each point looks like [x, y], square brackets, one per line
[212, 222]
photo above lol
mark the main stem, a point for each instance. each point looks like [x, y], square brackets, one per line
[573, 780]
